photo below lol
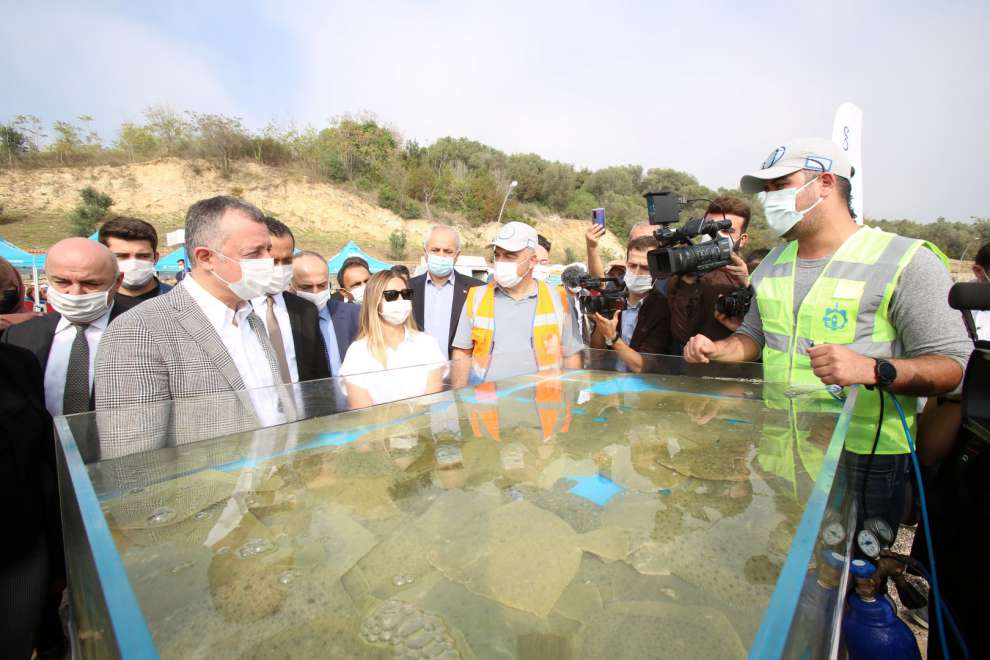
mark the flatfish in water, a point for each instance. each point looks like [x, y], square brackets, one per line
[646, 629]
[171, 502]
[517, 554]
[326, 637]
[409, 631]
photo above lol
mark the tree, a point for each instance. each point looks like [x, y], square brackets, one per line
[67, 143]
[397, 245]
[90, 212]
[137, 141]
[172, 133]
[13, 143]
[222, 139]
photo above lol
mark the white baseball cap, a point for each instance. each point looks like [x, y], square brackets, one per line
[815, 154]
[515, 236]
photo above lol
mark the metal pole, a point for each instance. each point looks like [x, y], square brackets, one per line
[504, 200]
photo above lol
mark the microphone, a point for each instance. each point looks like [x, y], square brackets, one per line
[973, 296]
[571, 277]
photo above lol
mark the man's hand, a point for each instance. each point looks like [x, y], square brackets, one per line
[733, 323]
[607, 328]
[699, 349]
[593, 235]
[839, 365]
[737, 271]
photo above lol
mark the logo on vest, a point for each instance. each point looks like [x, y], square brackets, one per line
[835, 318]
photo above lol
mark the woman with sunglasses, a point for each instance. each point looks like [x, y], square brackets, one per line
[388, 339]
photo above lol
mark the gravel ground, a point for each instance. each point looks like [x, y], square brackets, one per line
[905, 535]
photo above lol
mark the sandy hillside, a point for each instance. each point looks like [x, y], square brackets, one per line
[161, 190]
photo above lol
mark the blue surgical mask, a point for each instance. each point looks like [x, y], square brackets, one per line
[439, 265]
[780, 208]
[554, 279]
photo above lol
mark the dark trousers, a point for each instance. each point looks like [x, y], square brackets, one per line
[880, 491]
[23, 589]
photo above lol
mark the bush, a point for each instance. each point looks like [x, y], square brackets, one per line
[87, 216]
[570, 256]
[397, 245]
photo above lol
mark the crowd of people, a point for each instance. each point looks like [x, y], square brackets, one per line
[837, 304]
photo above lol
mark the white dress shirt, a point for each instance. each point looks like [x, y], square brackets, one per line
[58, 358]
[244, 348]
[284, 325]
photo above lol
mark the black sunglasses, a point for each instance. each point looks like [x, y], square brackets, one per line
[392, 295]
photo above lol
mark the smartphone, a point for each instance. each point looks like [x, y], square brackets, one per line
[598, 216]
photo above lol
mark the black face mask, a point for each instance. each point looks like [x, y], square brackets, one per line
[9, 300]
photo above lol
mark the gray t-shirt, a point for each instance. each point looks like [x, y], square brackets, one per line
[919, 308]
[512, 345]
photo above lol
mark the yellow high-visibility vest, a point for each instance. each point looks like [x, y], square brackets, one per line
[848, 304]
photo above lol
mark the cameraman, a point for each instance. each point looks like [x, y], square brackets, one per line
[692, 297]
[842, 304]
[644, 326]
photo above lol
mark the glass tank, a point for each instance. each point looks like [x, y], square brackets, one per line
[683, 511]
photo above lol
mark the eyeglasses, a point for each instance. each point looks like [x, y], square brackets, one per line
[392, 295]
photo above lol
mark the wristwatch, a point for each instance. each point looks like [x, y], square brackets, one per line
[885, 372]
[609, 343]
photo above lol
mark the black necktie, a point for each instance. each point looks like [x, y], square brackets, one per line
[75, 398]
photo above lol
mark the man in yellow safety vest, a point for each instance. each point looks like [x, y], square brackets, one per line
[842, 304]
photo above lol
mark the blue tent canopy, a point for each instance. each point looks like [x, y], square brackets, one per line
[19, 258]
[170, 262]
[352, 250]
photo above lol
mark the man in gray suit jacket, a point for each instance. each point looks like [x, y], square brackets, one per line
[200, 345]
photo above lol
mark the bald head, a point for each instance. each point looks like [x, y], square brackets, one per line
[79, 265]
[310, 273]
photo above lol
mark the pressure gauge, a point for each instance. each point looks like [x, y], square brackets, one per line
[834, 533]
[884, 534]
[868, 543]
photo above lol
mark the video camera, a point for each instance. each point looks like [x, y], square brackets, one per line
[736, 303]
[975, 296]
[602, 295]
[677, 254]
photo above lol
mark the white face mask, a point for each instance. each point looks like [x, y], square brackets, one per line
[319, 298]
[541, 272]
[507, 274]
[79, 307]
[137, 272]
[281, 278]
[396, 312]
[358, 294]
[439, 265]
[780, 208]
[256, 276]
[638, 283]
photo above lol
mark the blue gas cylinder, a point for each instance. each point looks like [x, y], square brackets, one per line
[871, 629]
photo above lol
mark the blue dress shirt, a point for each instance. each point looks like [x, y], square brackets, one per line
[438, 302]
[330, 340]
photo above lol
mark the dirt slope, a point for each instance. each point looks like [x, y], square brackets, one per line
[322, 215]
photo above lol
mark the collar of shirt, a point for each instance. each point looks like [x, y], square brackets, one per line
[260, 303]
[637, 305]
[216, 311]
[499, 291]
[449, 282]
[100, 323]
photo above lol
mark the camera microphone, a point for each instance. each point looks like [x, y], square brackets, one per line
[973, 296]
[571, 277]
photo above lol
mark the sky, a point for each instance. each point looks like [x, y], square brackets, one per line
[710, 88]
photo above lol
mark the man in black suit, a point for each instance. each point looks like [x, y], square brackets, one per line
[83, 279]
[439, 293]
[339, 320]
[293, 324]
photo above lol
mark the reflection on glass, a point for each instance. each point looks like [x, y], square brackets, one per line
[583, 513]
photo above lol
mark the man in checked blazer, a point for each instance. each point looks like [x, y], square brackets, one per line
[200, 345]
